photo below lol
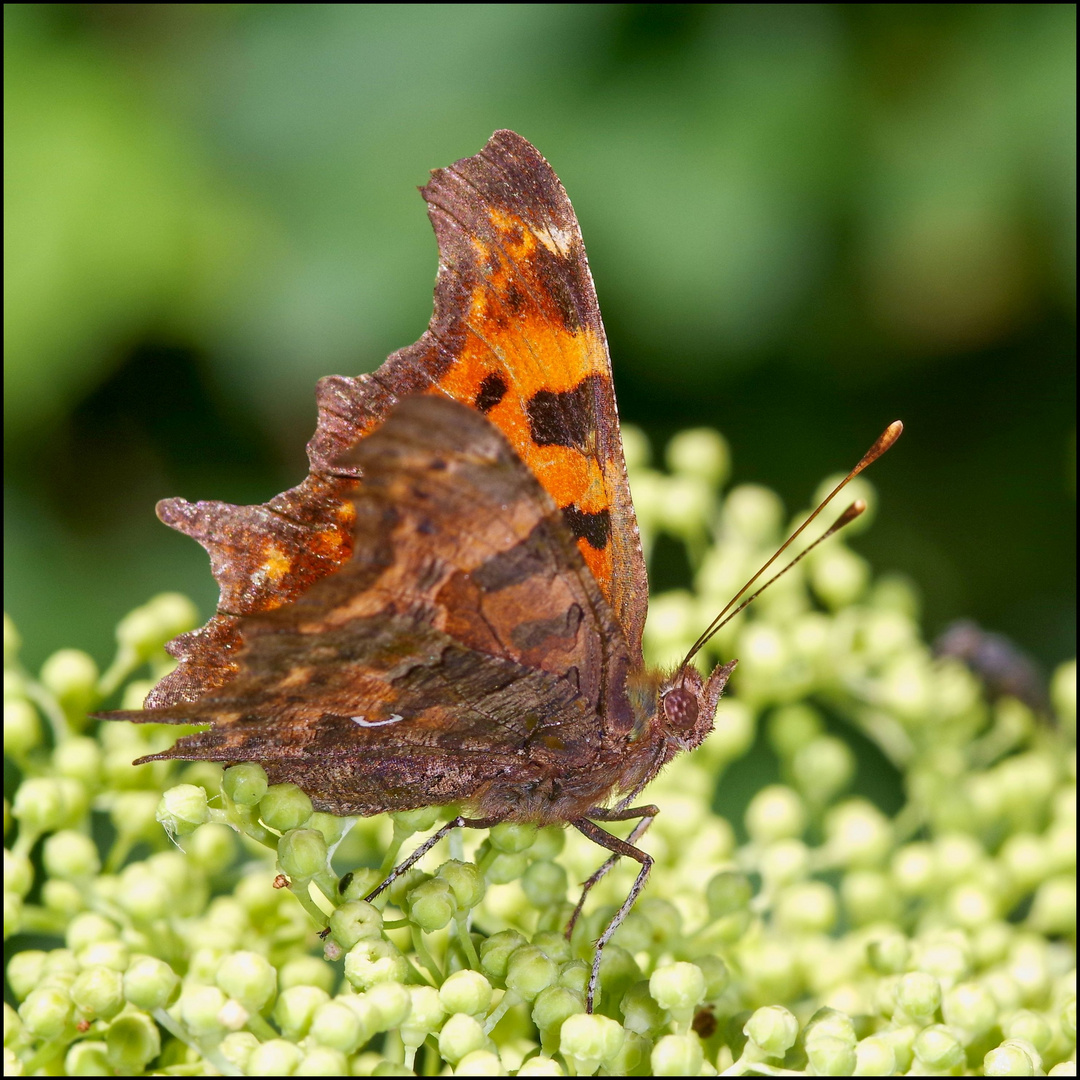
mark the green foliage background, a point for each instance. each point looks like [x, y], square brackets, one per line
[803, 221]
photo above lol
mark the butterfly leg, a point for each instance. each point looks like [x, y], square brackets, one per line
[618, 847]
[456, 823]
[647, 814]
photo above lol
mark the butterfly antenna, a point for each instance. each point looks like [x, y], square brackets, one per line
[883, 442]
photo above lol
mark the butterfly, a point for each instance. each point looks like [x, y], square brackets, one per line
[449, 608]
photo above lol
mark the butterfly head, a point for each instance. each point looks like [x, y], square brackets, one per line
[687, 704]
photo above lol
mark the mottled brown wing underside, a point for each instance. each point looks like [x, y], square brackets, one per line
[516, 333]
[463, 641]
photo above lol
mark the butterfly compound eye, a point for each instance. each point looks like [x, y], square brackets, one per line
[680, 708]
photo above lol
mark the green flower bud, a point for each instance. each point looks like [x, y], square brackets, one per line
[115, 955]
[1062, 1068]
[1053, 911]
[355, 920]
[284, 807]
[543, 1066]
[71, 676]
[506, 866]
[372, 961]
[149, 983]
[237, 1048]
[549, 842]
[307, 971]
[144, 895]
[201, 1007]
[918, 995]
[914, 868]
[465, 881]
[837, 575]
[98, 992]
[969, 1010]
[248, 978]
[25, 971]
[554, 944]
[640, 1011]
[677, 1055]
[775, 813]
[937, 1048]
[699, 452]
[495, 953]
[70, 856]
[1011, 1058]
[302, 854]
[275, 1057]
[784, 862]
[322, 1061]
[79, 758]
[869, 896]
[727, 893]
[18, 873]
[551, 1007]
[22, 728]
[480, 1063]
[393, 1003]
[1029, 1027]
[773, 1029]
[360, 883]
[754, 512]
[414, 821]
[425, 1015]
[295, 1008]
[858, 834]
[808, 907]
[46, 1012]
[591, 1040]
[41, 804]
[461, 1035]
[946, 958]
[544, 883]
[529, 970]
[432, 904]
[132, 1041]
[875, 1056]
[822, 768]
[88, 929]
[87, 1058]
[831, 1056]
[245, 785]
[678, 987]
[183, 809]
[337, 1026]
[212, 848]
[466, 992]
[512, 836]
[792, 727]
[62, 897]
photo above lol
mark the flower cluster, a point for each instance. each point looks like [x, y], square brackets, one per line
[174, 918]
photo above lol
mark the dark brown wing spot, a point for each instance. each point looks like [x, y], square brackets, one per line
[565, 418]
[594, 528]
[492, 391]
[534, 633]
[529, 557]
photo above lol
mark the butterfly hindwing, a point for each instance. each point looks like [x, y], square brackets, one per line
[465, 634]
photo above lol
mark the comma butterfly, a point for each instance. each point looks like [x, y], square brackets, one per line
[449, 608]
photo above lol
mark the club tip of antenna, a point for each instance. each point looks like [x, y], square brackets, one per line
[850, 514]
[884, 441]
